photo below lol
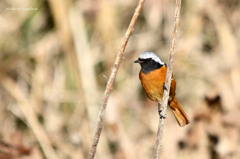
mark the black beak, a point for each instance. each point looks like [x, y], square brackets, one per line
[138, 61]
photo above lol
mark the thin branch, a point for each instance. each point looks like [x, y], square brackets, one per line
[30, 116]
[111, 81]
[164, 102]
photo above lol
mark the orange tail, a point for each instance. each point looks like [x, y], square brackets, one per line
[178, 112]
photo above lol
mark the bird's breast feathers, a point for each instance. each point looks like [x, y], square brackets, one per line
[152, 83]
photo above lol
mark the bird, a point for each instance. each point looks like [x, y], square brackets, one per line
[152, 76]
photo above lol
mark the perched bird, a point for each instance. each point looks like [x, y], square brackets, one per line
[152, 75]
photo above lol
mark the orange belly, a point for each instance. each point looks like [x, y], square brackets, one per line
[153, 81]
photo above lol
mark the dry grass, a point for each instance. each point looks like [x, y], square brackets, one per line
[59, 57]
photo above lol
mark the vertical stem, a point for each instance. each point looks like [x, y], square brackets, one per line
[164, 102]
[111, 80]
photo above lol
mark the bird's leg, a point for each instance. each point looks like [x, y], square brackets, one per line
[164, 86]
[160, 112]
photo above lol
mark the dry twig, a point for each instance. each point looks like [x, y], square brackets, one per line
[164, 102]
[111, 80]
[30, 116]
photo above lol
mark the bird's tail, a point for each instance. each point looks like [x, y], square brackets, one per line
[178, 112]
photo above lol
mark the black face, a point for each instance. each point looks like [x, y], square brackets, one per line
[148, 65]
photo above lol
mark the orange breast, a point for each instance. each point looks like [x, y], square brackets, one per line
[153, 81]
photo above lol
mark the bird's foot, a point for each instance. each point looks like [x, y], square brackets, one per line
[164, 86]
[160, 114]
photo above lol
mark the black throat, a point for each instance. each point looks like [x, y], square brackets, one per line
[149, 65]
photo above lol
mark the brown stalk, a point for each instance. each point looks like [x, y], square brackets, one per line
[164, 103]
[111, 81]
[30, 116]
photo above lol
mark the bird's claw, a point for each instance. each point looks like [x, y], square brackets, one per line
[160, 114]
[164, 86]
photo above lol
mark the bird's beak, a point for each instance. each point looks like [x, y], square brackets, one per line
[137, 61]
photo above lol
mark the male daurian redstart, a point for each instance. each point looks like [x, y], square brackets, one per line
[152, 75]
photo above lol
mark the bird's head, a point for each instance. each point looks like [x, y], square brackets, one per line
[149, 61]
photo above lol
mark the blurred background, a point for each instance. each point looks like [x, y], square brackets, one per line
[56, 57]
